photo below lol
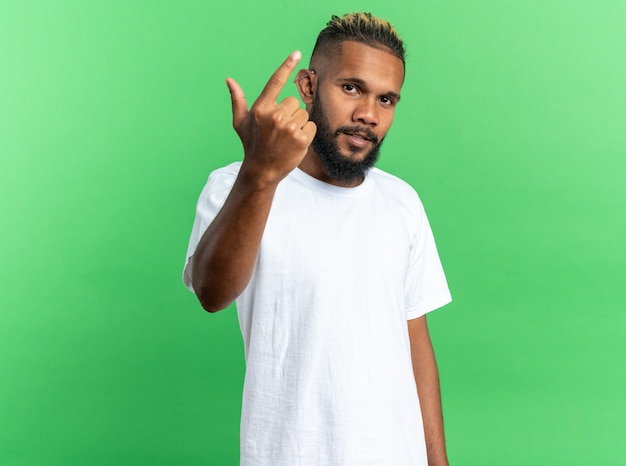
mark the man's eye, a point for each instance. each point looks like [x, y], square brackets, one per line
[349, 88]
[386, 100]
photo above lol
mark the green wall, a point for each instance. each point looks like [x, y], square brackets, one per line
[512, 128]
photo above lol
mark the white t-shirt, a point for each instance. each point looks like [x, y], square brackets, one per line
[329, 379]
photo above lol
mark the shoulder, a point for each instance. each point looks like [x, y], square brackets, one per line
[219, 184]
[225, 174]
[396, 189]
[222, 178]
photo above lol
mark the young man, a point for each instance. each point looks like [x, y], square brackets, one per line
[327, 259]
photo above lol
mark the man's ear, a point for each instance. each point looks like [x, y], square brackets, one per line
[304, 82]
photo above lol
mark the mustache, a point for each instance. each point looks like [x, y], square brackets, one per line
[360, 130]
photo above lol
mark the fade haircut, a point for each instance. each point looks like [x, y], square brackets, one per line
[363, 28]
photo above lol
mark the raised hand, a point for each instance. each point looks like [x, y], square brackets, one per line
[275, 136]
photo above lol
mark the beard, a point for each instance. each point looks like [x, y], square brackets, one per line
[341, 168]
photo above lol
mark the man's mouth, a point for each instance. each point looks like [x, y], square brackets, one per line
[358, 137]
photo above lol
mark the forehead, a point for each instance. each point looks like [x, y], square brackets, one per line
[372, 65]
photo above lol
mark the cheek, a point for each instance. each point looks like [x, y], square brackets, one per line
[340, 114]
[338, 107]
[387, 120]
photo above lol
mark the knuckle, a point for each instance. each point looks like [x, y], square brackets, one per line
[275, 81]
[291, 100]
[277, 118]
[257, 114]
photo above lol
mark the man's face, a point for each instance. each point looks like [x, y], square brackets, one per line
[353, 107]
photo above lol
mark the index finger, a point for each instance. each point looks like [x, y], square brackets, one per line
[279, 78]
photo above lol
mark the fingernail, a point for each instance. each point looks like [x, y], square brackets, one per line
[296, 56]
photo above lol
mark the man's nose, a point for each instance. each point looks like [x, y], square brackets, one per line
[366, 112]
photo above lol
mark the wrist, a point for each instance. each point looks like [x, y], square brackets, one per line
[257, 179]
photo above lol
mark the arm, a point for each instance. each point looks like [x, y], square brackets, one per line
[427, 381]
[275, 139]
[225, 255]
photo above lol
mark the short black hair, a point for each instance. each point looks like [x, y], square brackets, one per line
[360, 27]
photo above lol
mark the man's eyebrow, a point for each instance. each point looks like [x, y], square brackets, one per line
[353, 79]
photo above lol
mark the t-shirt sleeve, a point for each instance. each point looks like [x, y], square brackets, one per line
[210, 202]
[426, 285]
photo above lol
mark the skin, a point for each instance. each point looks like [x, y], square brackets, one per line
[427, 381]
[275, 138]
[360, 87]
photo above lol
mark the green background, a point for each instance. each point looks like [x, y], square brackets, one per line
[512, 127]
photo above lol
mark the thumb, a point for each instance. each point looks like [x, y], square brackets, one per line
[238, 99]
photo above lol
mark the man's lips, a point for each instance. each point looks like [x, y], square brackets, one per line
[358, 136]
[357, 139]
